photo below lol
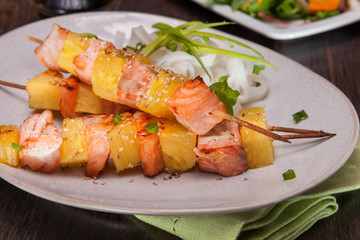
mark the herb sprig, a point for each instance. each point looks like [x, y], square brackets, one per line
[168, 34]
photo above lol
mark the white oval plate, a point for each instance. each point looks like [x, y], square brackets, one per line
[295, 29]
[292, 88]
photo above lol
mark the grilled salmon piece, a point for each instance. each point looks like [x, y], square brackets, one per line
[41, 142]
[221, 150]
[84, 61]
[192, 104]
[50, 49]
[134, 82]
[96, 129]
[113, 107]
[68, 96]
[150, 151]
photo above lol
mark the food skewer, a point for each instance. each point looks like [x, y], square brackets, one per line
[91, 51]
[300, 133]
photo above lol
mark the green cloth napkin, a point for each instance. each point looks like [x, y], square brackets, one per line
[286, 220]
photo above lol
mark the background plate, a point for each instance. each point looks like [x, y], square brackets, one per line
[292, 88]
[296, 29]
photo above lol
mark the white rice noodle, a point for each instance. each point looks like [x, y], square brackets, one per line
[139, 34]
[242, 79]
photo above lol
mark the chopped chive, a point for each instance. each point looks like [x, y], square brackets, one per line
[257, 84]
[139, 46]
[130, 47]
[88, 35]
[171, 46]
[153, 70]
[117, 119]
[257, 69]
[151, 127]
[289, 174]
[301, 115]
[16, 146]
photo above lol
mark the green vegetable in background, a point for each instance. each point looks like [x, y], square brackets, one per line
[279, 9]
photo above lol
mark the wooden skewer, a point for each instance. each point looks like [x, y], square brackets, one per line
[14, 85]
[309, 135]
[34, 39]
[251, 126]
[303, 133]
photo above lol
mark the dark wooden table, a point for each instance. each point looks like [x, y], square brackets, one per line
[334, 55]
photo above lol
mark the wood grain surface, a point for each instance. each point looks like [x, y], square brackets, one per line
[335, 55]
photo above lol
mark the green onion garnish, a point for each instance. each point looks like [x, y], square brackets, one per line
[88, 35]
[117, 119]
[171, 46]
[153, 70]
[167, 34]
[151, 127]
[139, 46]
[289, 174]
[257, 69]
[300, 116]
[16, 146]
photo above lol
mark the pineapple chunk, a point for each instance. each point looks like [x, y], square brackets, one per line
[73, 45]
[43, 91]
[74, 147]
[87, 101]
[177, 146]
[125, 148]
[106, 73]
[44, 86]
[161, 88]
[9, 134]
[259, 149]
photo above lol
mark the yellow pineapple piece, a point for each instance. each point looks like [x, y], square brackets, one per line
[125, 148]
[259, 148]
[87, 101]
[73, 45]
[74, 147]
[105, 75]
[177, 146]
[43, 90]
[9, 134]
[44, 93]
[161, 88]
